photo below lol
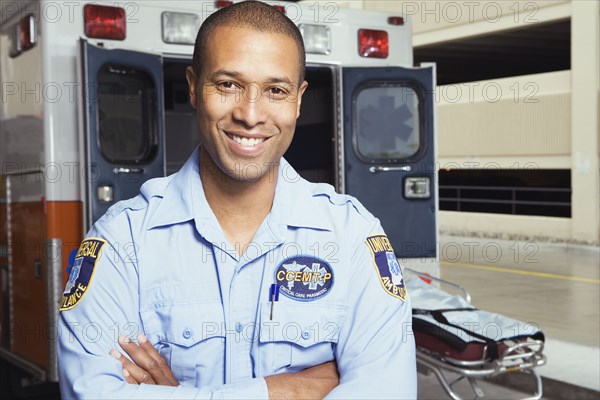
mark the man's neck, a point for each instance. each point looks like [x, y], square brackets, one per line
[240, 207]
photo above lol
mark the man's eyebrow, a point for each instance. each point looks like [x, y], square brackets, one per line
[238, 75]
[226, 72]
[276, 79]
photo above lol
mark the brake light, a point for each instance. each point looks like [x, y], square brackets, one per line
[23, 37]
[104, 22]
[223, 3]
[279, 8]
[395, 20]
[26, 32]
[373, 43]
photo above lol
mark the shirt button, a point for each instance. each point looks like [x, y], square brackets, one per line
[306, 335]
[238, 327]
[187, 333]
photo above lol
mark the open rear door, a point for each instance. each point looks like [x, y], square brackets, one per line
[124, 128]
[389, 152]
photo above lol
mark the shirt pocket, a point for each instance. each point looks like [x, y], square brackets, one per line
[297, 335]
[191, 338]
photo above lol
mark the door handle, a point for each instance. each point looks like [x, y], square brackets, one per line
[122, 170]
[379, 168]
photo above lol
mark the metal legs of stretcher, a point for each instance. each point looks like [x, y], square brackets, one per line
[427, 362]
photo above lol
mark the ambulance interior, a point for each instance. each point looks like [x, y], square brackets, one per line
[312, 152]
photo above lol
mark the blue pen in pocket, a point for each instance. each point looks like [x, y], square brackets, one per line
[273, 297]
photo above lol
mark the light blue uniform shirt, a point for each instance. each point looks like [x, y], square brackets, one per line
[168, 270]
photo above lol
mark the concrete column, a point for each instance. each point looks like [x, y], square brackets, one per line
[585, 127]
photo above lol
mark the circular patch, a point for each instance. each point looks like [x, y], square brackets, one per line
[304, 278]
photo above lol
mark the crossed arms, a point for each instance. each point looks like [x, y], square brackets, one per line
[146, 365]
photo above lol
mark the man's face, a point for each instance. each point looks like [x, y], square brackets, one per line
[247, 100]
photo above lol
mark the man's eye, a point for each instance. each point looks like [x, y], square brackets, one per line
[277, 91]
[228, 85]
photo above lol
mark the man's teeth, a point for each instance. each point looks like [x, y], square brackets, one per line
[247, 141]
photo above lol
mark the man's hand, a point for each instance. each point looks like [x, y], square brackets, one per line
[312, 383]
[147, 366]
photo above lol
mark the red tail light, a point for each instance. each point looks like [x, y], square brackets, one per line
[395, 20]
[104, 22]
[223, 3]
[26, 32]
[373, 43]
[279, 8]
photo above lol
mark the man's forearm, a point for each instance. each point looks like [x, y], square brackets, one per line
[313, 383]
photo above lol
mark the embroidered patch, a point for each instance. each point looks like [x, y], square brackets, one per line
[82, 272]
[304, 278]
[386, 264]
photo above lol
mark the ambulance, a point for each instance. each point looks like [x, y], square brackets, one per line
[94, 103]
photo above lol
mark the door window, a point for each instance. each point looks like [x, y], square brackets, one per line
[126, 120]
[387, 125]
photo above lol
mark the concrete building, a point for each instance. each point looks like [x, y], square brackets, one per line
[517, 116]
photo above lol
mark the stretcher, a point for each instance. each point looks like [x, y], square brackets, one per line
[458, 342]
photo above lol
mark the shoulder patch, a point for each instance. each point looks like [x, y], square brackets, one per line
[82, 272]
[386, 265]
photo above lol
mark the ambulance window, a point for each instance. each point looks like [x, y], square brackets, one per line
[386, 123]
[126, 98]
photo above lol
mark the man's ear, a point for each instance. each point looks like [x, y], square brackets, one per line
[192, 85]
[301, 91]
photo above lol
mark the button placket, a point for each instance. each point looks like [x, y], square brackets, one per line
[241, 305]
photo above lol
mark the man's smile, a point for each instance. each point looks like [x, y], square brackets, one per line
[246, 141]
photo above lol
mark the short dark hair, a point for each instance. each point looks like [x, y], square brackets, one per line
[253, 15]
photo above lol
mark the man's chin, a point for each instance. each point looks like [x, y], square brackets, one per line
[251, 171]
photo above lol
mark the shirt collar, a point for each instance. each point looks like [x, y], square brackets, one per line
[294, 204]
[182, 195]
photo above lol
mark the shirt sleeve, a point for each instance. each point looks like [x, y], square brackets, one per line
[376, 350]
[102, 302]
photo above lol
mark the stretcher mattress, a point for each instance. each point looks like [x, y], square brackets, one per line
[450, 326]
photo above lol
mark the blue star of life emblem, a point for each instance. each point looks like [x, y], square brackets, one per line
[74, 274]
[319, 273]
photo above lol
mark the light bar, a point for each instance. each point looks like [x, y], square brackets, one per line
[180, 28]
[373, 43]
[104, 22]
[317, 38]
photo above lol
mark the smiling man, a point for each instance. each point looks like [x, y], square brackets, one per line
[236, 282]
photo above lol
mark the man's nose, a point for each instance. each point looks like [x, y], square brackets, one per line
[250, 107]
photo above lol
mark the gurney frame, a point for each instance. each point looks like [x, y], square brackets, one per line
[519, 357]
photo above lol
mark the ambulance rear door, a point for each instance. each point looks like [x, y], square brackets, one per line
[389, 152]
[124, 128]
